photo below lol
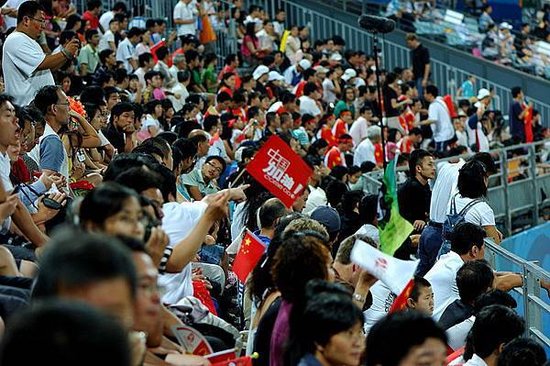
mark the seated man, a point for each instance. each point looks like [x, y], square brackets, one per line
[201, 182]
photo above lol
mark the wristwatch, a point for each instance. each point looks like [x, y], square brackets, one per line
[359, 297]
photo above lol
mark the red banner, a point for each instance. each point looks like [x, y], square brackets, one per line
[280, 170]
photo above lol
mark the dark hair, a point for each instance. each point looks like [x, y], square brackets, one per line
[298, 260]
[168, 182]
[494, 325]
[61, 333]
[93, 4]
[432, 89]
[104, 201]
[473, 279]
[270, 211]
[416, 160]
[328, 311]
[334, 191]
[46, 97]
[120, 75]
[419, 284]
[465, 236]
[191, 55]
[230, 58]
[27, 113]
[391, 338]
[522, 351]
[139, 179]
[162, 52]
[471, 180]
[210, 122]
[309, 88]
[104, 55]
[90, 33]
[73, 264]
[120, 108]
[149, 75]
[144, 58]
[125, 161]
[339, 172]
[187, 147]
[110, 90]
[28, 9]
[487, 160]
[515, 91]
[134, 31]
[72, 20]
[368, 208]
[120, 6]
[494, 297]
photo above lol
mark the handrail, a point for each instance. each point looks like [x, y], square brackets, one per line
[534, 307]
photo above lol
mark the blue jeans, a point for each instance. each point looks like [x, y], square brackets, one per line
[428, 248]
[419, 87]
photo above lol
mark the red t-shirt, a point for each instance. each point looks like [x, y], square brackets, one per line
[339, 128]
[93, 19]
[328, 136]
[334, 158]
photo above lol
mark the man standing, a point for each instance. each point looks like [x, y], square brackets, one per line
[88, 59]
[420, 59]
[439, 118]
[185, 17]
[518, 112]
[414, 196]
[126, 51]
[26, 68]
[336, 155]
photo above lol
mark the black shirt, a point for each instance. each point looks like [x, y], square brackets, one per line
[389, 93]
[420, 56]
[115, 137]
[414, 200]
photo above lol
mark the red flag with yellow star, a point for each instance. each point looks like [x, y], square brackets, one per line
[249, 254]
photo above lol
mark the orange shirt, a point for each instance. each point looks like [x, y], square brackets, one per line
[328, 136]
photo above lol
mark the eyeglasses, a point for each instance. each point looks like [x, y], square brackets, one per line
[216, 168]
[41, 21]
[66, 104]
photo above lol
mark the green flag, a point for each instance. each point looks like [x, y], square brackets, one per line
[394, 230]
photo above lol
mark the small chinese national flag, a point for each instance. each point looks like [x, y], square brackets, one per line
[241, 361]
[280, 170]
[249, 254]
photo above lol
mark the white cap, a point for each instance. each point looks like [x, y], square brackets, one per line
[349, 74]
[336, 57]
[483, 93]
[321, 69]
[505, 25]
[304, 64]
[260, 71]
[274, 76]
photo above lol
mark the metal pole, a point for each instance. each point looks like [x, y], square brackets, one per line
[381, 109]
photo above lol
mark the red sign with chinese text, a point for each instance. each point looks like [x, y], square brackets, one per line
[280, 170]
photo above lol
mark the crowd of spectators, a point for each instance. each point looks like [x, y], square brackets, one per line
[124, 195]
[525, 46]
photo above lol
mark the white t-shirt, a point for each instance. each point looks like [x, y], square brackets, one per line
[479, 214]
[483, 140]
[358, 130]
[104, 141]
[382, 300]
[180, 89]
[140, 73]
[308, 105]
[364, 152]
[457, 333]
[186, 12]
[442, 277]
[150, 122]
[104, 41]
[125, 52]
[105, 19]
[443, 129]
[178, 222]
[21, 57]
[328, 91]
[444, 188]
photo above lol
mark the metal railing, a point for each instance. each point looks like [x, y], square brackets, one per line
[532, 307]
[518, 193]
